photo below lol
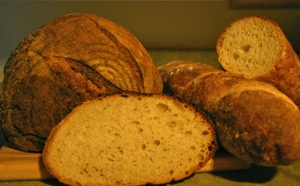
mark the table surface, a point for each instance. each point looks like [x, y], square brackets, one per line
[256, 175]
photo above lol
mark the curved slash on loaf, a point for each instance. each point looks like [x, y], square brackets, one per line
[130, 62]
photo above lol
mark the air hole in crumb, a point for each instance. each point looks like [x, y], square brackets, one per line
[246, 48]
[156, 118]
[140, 130]
[188, 132]
[120, 150]
[172, 124]
[156, 142]
[143, 146]
[205, 132]
[235, 56]
[96, 169]
[171, 172]
[110, 159]
[136, 122]
[193, 147]
[162, 107]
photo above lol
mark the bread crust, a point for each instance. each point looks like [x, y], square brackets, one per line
[73, 58]
[285, 74]
[254, 121]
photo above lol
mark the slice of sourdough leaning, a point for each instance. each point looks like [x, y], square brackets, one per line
[251, 46]
[129, 139]
[256, 47]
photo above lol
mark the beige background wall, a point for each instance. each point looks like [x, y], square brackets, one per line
[164, 24]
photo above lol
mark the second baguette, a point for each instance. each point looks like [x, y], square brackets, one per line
[254, 121]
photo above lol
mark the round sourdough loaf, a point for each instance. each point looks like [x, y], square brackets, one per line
[73, 58]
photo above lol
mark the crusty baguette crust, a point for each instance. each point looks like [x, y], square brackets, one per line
[284, 73]
[254, 121]
[73, 58]
[50, 153]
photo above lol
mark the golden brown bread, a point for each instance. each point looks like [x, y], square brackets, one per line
[255, 47]
[71, 59]
[130, 139]
[254, 121]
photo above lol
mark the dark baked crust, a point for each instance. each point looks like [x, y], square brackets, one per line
[285, 74]
[254, 121]
[261, 135]
[71, 59]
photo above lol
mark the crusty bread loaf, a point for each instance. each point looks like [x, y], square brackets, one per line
[256, 47]
[73, 58]
[254, 120]
[129, 139]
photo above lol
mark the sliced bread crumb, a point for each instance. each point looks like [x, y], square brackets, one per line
[130, 139]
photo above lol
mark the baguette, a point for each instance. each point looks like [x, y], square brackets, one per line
[129, 139]
[255, 47]
[254, 120]
[71, 59]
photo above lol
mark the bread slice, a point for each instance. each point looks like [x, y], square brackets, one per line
[129, 139]
[256, 47]
[250, 46]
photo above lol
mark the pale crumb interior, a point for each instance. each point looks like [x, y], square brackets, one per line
[250, 47]
[124, 139]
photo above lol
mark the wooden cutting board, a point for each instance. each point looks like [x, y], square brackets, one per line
[17, 165]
